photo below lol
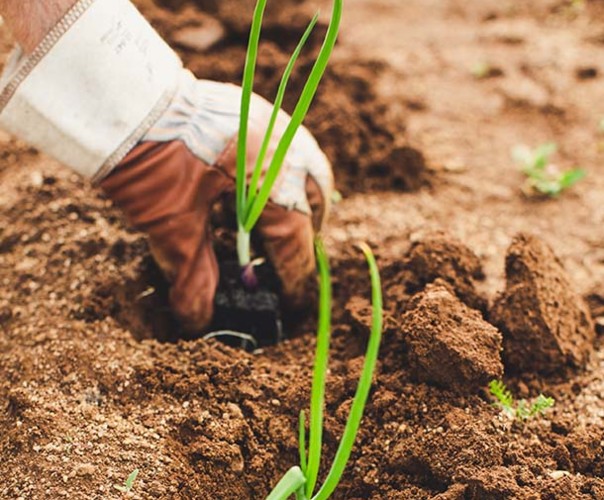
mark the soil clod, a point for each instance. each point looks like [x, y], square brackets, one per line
[448, 343]
[440, 256]
[546, 325]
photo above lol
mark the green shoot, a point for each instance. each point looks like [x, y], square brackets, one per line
[482, 70]
[504, 397]
[317, 394]
[292, 482]
[302, 480]
[252, 200]
[362, 392]
[129, 483]
[542, 176]
[302, 441]
[253, 189]
[520, 410]
[336, 197]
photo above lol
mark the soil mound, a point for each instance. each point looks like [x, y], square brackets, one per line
[546, 325]
[448, 343]
[438, 256]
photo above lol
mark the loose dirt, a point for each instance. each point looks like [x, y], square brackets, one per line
[421, 144]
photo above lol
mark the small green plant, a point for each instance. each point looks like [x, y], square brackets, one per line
[129, 483]
[252, 199]
[483, 69]
[301, 480]
[520, 410]
[542, 176]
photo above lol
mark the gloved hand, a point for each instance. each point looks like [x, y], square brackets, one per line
[168, 183]
[105, 95]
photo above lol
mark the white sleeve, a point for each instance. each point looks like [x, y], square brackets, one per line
[93, 87]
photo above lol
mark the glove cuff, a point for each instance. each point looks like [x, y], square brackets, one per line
[92, 88]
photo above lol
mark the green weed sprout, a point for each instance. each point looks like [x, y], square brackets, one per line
[543, 177]
[301, 480]
[252, 199]
[520, 410]
[482, 70]
[129, 483]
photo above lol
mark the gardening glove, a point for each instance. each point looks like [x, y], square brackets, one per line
[105, 95]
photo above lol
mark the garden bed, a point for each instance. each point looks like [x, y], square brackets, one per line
[469, 265]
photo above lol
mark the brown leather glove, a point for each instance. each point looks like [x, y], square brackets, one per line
[169, 182]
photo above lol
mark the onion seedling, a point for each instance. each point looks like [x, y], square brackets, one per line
[129, 483]
[301, 480]
[246, 312]
[252, 199]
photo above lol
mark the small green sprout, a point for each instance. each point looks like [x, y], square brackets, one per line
[542, 176]
[520, 410]
[129, 483]
[252, 199]
[482, 70]
[336, 197]
[577, 4]
[301, 480]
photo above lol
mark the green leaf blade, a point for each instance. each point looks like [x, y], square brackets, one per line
[290, 483]
[571, 177]
[253, 188]
[504, 397]
[308, 93]
[317, 397]
[247, 88]
[364, 385]
[302, 441]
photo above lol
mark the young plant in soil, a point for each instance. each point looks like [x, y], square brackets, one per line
[129, 483]
[518, 410]
[301, 480]
[245, 300]
[542, 176]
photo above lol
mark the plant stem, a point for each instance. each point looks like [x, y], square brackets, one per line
[317, 397]
[292, 482]
[362, 392]
[243, 247]
[302, 440]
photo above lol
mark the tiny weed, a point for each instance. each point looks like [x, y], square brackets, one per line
[542, 176]
[482, 70]
[336, 197]
[577, 4]
[129, 483]
[520, 410]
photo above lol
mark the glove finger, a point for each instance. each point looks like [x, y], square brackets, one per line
[191, 269]
[168, 193]
[288, 239]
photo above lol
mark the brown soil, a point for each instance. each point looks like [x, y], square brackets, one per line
[420, 145]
